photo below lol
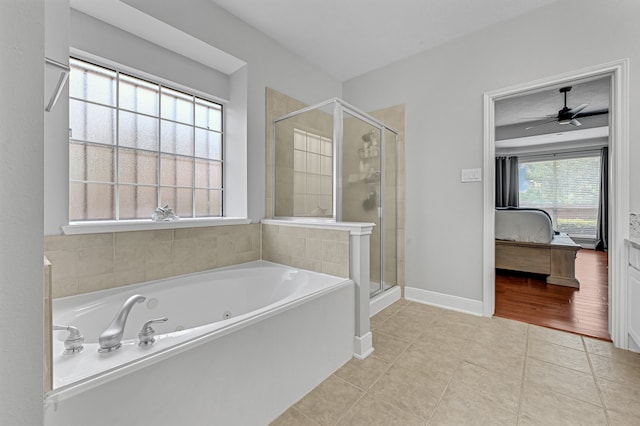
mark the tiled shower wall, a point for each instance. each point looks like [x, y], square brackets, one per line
[277, 105]
[90, 262]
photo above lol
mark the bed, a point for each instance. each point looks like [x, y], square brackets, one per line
[526, 242]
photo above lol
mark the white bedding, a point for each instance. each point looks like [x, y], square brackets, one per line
[523, 225]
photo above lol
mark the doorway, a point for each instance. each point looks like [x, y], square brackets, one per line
[549, 157]
[618, 178]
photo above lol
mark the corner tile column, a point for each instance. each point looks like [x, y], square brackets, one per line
[359, 272]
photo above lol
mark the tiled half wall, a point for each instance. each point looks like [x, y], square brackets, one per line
[319, 250]
[91, 262]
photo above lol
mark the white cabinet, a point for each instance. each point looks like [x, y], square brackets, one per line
[634, 295]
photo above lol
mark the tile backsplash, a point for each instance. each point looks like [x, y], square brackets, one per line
[90, 262]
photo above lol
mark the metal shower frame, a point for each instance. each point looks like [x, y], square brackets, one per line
[339, 108]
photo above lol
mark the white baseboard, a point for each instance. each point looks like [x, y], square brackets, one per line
[384, 299]
[633, 345]
[363, 346]
[454, 303]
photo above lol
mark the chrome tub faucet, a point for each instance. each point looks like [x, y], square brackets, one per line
[110, 339]
[73, 342]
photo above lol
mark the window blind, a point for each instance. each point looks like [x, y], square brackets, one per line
[566, 188]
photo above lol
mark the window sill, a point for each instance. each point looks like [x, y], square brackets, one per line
[97, 227]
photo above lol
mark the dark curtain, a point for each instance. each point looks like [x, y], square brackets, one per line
[602, 232]
[507, 182]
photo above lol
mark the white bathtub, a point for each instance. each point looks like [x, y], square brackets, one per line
[287, 330]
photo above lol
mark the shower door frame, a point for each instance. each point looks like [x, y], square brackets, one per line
[339, 108]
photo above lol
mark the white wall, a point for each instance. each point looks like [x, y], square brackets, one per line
[269, 64]
[99, 38]
[21, 228]
[56, 122]
[442, 89]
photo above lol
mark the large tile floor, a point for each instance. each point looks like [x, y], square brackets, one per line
[438, 367]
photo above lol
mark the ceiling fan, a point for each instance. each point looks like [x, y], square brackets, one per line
[570, 115]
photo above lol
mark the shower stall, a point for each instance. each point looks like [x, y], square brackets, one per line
[333, 162]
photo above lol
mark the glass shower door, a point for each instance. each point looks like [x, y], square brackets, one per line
[390, 211]
[361, 186]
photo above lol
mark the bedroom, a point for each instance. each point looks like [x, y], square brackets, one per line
[551, 146]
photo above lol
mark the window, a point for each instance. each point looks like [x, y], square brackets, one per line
[136, 145]
[312, 174]
[567, 188]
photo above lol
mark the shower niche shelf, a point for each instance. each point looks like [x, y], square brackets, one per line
[370, 153]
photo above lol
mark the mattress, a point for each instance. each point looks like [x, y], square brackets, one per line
[523, 225]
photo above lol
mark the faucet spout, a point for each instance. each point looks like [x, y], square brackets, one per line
[111, 337]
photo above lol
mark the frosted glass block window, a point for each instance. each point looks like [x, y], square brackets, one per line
[136, 145]
[313, 174]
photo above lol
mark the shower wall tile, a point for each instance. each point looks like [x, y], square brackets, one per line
[91, 262]
[314, 249]
[276, 105]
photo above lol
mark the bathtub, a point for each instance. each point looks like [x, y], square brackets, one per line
[241, 344]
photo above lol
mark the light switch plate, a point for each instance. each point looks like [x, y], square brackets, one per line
[471, 175]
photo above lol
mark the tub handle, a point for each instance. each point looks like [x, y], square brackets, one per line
[147, 332]
[73, 342]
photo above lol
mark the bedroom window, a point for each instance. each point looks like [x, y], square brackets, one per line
[136, 145]
[567, 188]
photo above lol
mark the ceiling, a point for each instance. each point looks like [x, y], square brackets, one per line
[529, 107]
[347, 38]
[515, 114]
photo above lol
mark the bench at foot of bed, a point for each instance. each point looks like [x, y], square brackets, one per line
[555, 259]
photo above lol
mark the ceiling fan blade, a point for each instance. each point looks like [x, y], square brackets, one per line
[575, 122]
[576, 110]
[539, 117]
[540, 124]
[593, 112]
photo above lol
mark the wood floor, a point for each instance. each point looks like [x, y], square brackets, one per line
[528, 298]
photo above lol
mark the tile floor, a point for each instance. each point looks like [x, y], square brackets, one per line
[438, 367]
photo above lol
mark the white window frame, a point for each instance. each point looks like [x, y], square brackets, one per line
[97, 226]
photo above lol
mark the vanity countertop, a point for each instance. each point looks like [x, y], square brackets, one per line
[633, 242]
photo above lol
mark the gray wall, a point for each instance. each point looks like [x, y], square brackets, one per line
[21, 177]
[443, 88]
[69, 28]
[269, 65]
